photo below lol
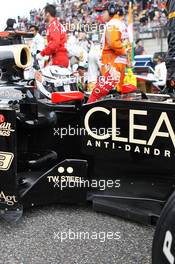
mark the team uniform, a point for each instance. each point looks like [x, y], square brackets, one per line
[114, 51]
[114, 57]
[56, 39]
[37, 46]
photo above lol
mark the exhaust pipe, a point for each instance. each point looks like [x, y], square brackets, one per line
[13, 60]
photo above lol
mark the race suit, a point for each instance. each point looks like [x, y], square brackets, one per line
[170, 60]
[114, 52]
[56, 40]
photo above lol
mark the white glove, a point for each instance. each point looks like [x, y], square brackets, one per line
[39, 56]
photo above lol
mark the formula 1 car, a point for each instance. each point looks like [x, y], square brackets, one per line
[116, 153]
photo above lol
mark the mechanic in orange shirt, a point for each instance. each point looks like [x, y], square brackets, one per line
[115, 41]
[114, 54]
[56, 39]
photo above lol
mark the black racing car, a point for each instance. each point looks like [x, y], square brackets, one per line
[116, 153]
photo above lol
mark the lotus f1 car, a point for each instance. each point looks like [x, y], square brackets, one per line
[116, 153]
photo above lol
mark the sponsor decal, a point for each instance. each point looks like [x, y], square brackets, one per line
[7, 199]
[67, 178]
[139, 138]
[55, 179]
[167, 247]
[5, 127]
[70, 181]
[6, 159]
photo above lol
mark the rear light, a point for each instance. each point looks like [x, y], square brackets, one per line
[2, 119]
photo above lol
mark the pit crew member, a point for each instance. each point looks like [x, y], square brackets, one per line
[114, 54]
[37, 44]
[114, 46]
[56, 39]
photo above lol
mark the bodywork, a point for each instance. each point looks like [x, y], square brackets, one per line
[117, 154]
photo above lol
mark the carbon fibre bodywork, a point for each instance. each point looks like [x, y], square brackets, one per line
[117, 154]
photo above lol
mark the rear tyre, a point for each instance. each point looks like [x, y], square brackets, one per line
[163, 251]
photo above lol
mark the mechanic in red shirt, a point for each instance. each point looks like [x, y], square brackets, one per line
[56, 39]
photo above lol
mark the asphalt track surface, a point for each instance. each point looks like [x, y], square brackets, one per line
[35, 239]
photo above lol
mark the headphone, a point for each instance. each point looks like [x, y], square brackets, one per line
[114, 9]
